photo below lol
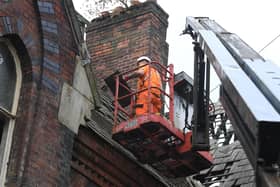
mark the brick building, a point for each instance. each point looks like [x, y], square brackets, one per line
[38, 55]
[55, 128]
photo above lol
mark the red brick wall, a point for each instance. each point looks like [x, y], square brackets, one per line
[41, 147]
[104, 164]
[115, 42]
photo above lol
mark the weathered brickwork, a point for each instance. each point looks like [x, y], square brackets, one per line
[105, 163]
[41, 148]
[116, 41]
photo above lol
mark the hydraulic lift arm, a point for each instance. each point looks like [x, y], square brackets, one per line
[250, 94]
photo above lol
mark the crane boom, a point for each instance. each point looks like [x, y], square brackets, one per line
[250, 94]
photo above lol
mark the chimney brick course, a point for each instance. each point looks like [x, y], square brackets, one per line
[116, 42]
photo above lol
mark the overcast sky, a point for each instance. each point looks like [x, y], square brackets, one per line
[255, 21]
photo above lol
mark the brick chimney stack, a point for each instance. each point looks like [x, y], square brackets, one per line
[116, 40]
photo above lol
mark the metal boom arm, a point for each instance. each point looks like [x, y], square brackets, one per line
[250, 93]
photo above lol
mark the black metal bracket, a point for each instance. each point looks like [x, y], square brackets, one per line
[200, 127]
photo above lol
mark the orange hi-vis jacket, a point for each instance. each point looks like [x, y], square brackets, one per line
[143, 97]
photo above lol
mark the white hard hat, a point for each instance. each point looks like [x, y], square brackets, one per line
[144, 58]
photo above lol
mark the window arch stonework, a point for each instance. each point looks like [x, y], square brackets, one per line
[10, 83]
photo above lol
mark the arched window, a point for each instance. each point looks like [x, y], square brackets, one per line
[10, 83]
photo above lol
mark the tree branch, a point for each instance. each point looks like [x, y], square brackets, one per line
[124, 2]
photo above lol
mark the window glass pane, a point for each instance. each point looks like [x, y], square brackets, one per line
[2, 123]
[3, 137]
[7, 77]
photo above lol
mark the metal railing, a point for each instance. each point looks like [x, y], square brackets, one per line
[167, 79]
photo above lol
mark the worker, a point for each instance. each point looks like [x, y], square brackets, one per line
[142, 97]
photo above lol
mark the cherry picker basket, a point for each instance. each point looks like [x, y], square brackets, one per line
[153, 138]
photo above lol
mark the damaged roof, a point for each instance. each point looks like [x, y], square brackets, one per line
[230, 168]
